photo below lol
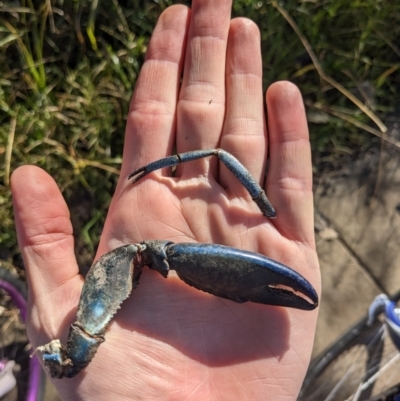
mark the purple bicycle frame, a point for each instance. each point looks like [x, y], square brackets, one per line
[35, 369]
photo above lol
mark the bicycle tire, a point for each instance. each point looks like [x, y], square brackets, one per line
[353, 368]
[30, 377]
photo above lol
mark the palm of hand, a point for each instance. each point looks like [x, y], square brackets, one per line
[182, 328]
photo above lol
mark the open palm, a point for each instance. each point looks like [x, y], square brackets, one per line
[170, 341]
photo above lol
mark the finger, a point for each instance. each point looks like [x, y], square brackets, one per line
[289, 183]
[45, 238]
[201, 105]
[151, 121]
[244, 133]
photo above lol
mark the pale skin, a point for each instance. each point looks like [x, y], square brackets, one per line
[170, 341]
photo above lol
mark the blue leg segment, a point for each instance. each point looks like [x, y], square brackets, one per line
[239, 171]
[108, 283]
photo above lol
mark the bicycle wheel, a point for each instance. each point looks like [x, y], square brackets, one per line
[362, 365]
[21, 377]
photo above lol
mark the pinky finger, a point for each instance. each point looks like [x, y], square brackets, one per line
[289, 183]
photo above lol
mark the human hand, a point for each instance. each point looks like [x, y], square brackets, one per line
[170, 341]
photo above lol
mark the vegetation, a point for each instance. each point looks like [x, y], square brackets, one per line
[67, 74]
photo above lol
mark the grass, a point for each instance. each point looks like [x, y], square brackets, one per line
[67, 75]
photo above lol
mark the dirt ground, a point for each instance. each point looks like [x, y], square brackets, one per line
[357, 222]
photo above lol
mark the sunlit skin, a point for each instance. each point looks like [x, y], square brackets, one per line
[170, 341]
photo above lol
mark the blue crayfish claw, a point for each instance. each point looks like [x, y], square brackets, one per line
[223, 271]
[238, 275]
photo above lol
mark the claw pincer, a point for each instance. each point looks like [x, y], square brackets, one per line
[226, 272]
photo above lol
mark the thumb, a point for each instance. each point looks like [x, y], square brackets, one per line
[45, 238]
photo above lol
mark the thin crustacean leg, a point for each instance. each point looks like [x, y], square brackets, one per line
[239, 171]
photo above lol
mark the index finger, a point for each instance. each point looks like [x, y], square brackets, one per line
[150, 125]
